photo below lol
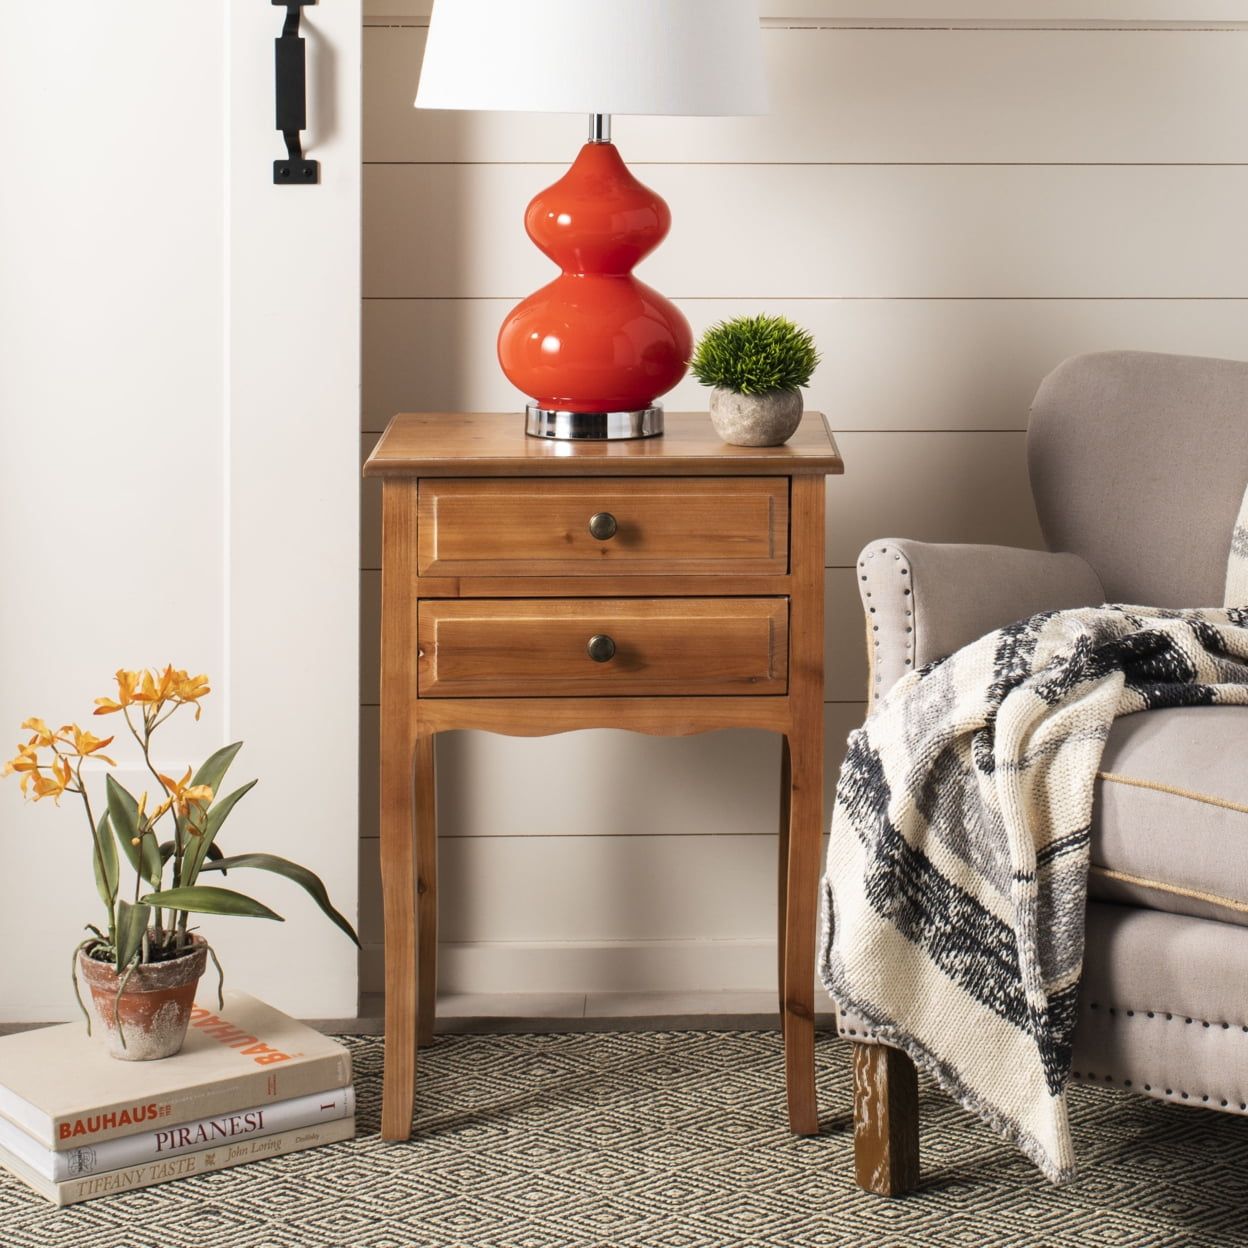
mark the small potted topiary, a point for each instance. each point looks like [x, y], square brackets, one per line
[757, 366]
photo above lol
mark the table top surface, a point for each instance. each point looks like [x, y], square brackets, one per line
[494, 444]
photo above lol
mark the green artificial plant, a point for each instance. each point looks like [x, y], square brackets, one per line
[755, 355]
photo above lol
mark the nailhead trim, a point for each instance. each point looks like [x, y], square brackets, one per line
[1148, 1087]
[866, 1035]
[898, 558]
[1126, 1083]
[1205, 1097]
[1114, 1010]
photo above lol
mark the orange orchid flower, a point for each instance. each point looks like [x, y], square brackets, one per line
[43, 735]
[127, 683]
[183, 795]
[25, 763]
[189, 689]
[86, 743]
[154, 689]
[52, 785]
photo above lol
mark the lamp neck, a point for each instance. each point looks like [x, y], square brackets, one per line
[600, 127]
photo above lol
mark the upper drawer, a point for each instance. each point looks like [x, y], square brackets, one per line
[686, 525]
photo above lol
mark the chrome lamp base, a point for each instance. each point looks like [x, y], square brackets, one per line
[545, 422]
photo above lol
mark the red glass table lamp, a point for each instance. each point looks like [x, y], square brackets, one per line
[595, 349]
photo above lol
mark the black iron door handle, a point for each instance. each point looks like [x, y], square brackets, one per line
[290, 68]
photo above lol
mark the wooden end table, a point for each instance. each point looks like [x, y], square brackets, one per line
[670, 586]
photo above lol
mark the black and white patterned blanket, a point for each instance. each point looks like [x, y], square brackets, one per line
[953, 907]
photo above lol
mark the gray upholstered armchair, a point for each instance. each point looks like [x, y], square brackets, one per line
[1138, 466]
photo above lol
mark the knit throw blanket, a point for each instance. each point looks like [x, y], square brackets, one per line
[956, 882]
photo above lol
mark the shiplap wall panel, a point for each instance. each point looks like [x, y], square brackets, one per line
[605, 887]
[486, 901]
[370, 637]
[895, 231]
[370, 764]
[370, 508]
[889, 364]
[934, 487]
[725, 782]
[942, 14]
[952, 211]
[866, 96]
[844, 641]
[548, 969]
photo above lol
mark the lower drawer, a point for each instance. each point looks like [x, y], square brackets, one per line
[603, 647]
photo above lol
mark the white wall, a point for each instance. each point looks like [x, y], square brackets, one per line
[179, 370]
[954, 195]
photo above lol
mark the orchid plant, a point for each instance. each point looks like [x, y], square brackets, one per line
[151, 924]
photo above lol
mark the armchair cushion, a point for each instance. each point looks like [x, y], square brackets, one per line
[923, 601]
[1170, 818]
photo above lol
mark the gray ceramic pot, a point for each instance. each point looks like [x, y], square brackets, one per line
[756, 419]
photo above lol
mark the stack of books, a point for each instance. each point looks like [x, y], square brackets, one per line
[250, 1083]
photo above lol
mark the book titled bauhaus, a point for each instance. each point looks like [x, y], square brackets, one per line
[64, 1091]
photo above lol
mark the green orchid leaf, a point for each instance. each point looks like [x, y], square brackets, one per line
[132, 922]
[212, 770]
[123, 815]
[200, 847]
[107, 867]
[306, 880]
[168, 849]
[153, 867]
[205, 900]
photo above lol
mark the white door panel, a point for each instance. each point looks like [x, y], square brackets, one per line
[179, 370]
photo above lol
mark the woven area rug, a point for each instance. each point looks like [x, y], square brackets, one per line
[669, 1140]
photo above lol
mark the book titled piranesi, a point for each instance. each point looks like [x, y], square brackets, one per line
[63, 1090]
[173, 1140]
[164, 1170]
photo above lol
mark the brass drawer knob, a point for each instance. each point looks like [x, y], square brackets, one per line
[600, 648]
[602, 525]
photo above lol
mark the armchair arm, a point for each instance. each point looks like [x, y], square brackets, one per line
[924, 601]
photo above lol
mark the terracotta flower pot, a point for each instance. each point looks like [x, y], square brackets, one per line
[155, 1007]
[756, 419]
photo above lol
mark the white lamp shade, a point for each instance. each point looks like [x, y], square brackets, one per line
[668, 57]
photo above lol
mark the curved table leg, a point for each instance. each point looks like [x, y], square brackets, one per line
[399, 748]
[804, 751]
[805, 840]
[782, 898]
[426, 890]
